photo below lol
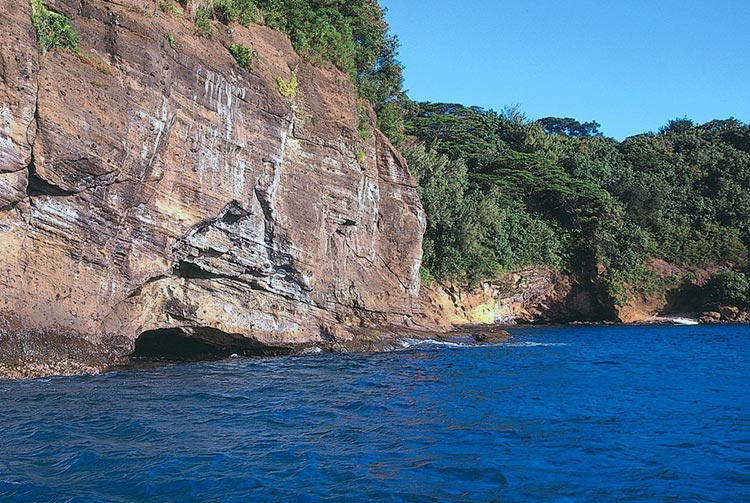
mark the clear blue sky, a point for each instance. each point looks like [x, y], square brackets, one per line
[631, 65]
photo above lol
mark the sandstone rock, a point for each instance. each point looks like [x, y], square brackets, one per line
[681, 293]
[710, 317]
[490, 336]
[529, 295]
[729, 313]
[179, 191]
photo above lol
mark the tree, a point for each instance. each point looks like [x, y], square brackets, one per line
[570, 127]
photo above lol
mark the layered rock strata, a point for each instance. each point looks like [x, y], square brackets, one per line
[159, 186]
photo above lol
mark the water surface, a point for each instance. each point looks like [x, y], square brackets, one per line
[558, 414]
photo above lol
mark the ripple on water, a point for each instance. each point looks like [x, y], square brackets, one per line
[554, 414]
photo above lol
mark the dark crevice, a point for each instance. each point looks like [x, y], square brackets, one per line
[174, 344]
[198, 344]
[37, 186]
[9, 207]
[265, 206]
[189, 270]
[233, 213]
[212, 253]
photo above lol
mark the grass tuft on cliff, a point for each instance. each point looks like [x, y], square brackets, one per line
[53, 30]
[287, 88]
[168, 7]
[203, 22]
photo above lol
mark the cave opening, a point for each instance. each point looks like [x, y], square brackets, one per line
[176, 344]
[197, 344]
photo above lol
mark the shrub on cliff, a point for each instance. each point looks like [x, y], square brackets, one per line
[167, 7]
[53, 31]
[203, 22]
[243, 55]
[729, 286]
[228, 11]
[355, 37]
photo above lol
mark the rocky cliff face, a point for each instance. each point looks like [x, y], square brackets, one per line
[529, 295]
[675, 290]
[157, 188]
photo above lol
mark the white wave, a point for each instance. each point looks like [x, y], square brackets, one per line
[531, 344]
[674, 319]
[678, 320]
[410, 343]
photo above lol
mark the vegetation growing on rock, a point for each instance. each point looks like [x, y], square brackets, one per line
[729, 286]
[228, 11]
[353, 35]
[203, 22]
[168, 7]
[53, 31]
[287, 88]
[243, 55]
[502, 192]
[170, 40]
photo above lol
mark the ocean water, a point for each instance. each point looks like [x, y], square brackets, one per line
[557, 414]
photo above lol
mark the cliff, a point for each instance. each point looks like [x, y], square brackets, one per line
[158, 187]
[528, 295]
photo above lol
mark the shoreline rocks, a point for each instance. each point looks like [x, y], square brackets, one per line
[722, 313]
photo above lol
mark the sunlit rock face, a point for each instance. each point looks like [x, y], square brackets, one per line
[528, 295]
[169, 188]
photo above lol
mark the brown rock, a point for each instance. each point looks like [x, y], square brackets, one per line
[490, 336]
[729, 313]
[529, 295]
[710, 317]
[179, 191]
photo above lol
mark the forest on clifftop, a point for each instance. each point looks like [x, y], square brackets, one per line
[502, 192]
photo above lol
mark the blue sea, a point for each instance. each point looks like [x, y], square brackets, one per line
[557, 414]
